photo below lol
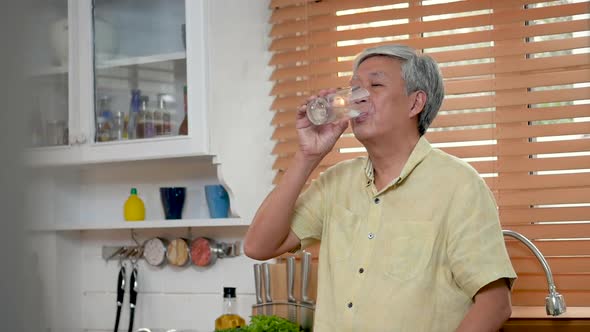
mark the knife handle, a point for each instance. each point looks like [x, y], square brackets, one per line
[133, 287]
[290, 278]
[121, 285]
[266, 273]
[305, 273]
[257, 283]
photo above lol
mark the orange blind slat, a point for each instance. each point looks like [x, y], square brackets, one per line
[553, 231]
[533, 298]
[564, 282]
[517, 216]
[569, 265]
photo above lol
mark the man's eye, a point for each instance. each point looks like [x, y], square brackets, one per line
[376, 84]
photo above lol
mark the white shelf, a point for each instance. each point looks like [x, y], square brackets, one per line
[47, 71]
[121, 224]
[112, 63]
[122, 62]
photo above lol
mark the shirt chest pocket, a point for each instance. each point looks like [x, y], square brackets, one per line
[342, 228]
[406, 248]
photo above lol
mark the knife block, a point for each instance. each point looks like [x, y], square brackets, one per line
[278, 285]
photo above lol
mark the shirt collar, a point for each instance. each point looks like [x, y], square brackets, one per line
[418, 154]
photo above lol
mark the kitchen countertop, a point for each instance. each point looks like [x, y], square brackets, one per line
[539, 312]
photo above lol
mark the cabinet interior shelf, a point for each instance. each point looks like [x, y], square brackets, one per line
[121, 224]
[112, 63]
[142, 60]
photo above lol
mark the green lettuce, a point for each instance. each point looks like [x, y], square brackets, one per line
[262, 323]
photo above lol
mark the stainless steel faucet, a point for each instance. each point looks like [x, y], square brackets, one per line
[554, 302]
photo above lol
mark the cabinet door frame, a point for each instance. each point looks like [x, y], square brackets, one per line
[71, 152]
[196, 143]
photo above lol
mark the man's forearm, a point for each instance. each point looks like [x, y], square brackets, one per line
[491, 309]
[271, 224]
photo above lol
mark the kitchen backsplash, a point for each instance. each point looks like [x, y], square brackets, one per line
[181, 298]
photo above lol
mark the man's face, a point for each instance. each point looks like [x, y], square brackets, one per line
[388, 106]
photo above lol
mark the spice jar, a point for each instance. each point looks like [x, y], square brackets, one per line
[154, 251]
[178, 252]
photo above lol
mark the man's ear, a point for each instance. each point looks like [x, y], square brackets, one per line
[419, 103]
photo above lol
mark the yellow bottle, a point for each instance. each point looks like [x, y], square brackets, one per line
[229, 318]
[134, 209]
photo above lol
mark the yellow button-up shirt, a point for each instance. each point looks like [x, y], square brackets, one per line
[408, 258]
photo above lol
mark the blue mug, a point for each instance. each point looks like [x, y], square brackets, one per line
[173, 201]
[217, 201]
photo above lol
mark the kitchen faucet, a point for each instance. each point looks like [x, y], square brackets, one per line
[554, 302]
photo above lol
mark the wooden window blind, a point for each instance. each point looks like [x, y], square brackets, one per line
[517, 107]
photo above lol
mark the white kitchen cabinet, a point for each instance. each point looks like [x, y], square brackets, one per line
[77, 191]
[224, 67]
[95, 54]
[111, 48]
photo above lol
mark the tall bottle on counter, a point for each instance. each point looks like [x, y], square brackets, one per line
[229, 317]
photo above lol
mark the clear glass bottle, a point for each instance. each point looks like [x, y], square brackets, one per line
[158, 113]
[229, 317]
[166, 123]
[104, 120]
[163, 117]
[118, 132]
[149, 128]
[133, 114]
[141, 115]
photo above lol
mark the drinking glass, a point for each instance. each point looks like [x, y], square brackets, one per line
[341, 104]
[173, 201]
[217, 201]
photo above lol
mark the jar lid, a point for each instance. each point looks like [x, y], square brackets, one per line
[154, 251]
[178, 252]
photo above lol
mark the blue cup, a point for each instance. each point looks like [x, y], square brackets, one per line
[173, 201]
[217, 201]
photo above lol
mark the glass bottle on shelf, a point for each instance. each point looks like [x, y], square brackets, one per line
[183, 129]
[159, 114]
[162, 117]
[229, 317]
[104, 120]
[149, 129]
[166, 121]
[133, 116]
[118, 130]
[140, 126]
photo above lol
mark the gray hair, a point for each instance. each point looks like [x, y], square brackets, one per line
[420, 73]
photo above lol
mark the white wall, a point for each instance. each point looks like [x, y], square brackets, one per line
[77, 287]
[240, 88]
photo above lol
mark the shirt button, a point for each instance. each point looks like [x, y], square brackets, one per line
[349, 304]
[377, 200]
[371, 236]
[361, 270]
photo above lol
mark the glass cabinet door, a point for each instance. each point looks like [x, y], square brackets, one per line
[48, 76]
[139, 69]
